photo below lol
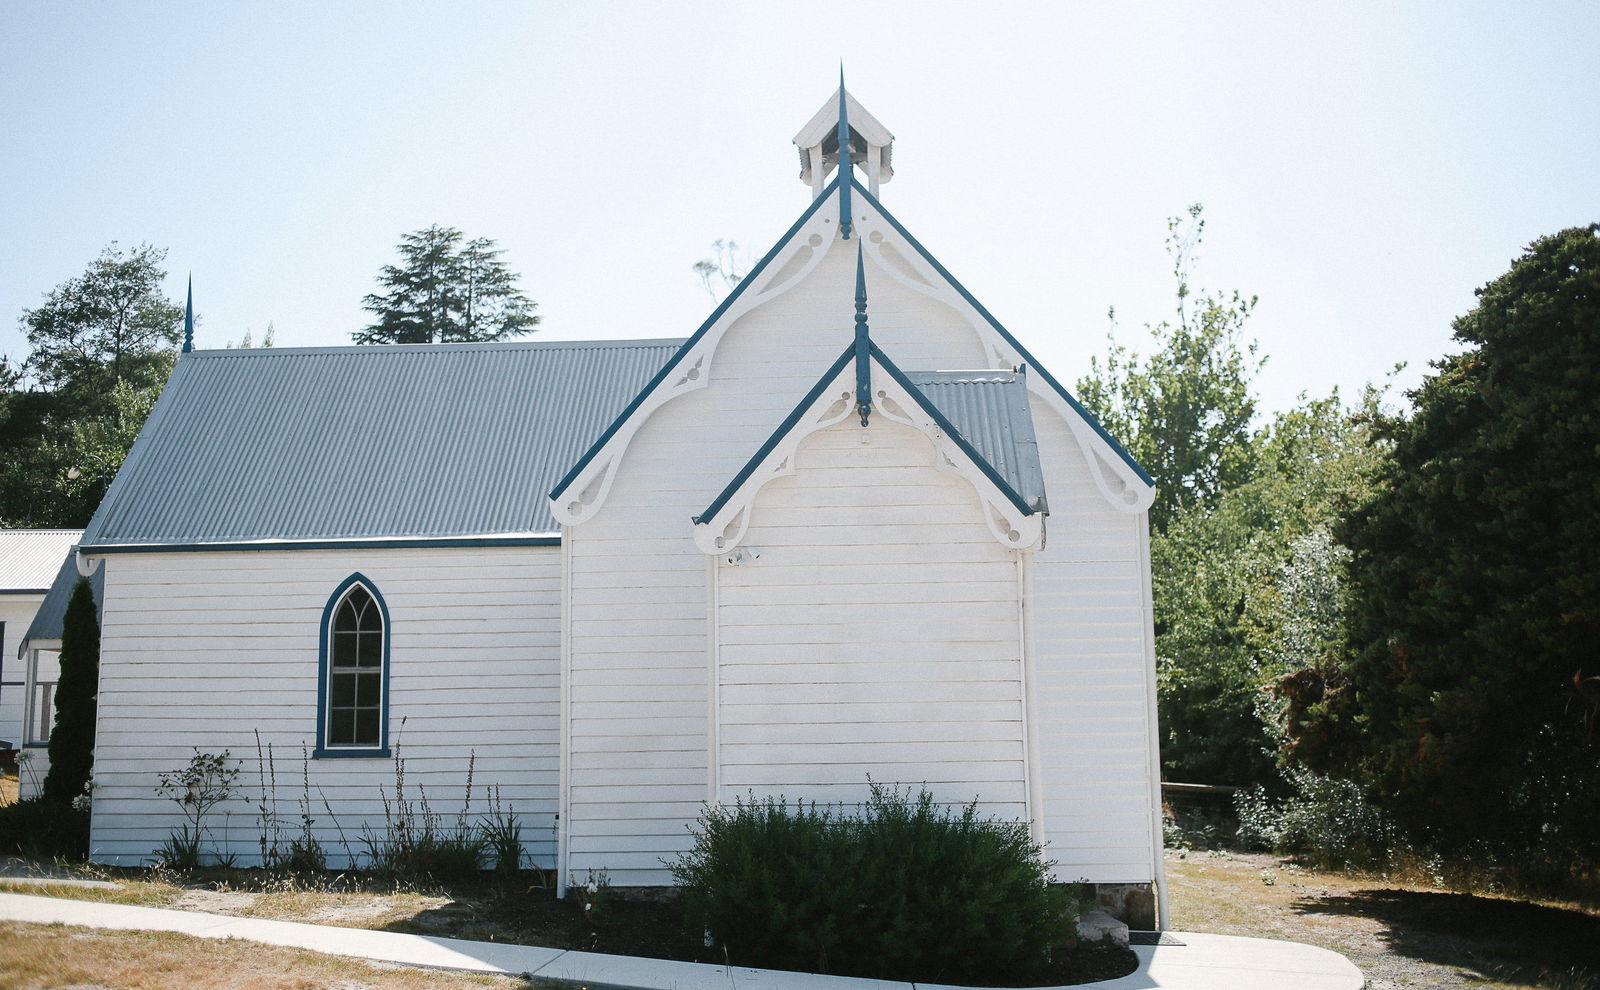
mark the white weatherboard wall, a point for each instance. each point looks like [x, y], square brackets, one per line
[1093, 676]
[474, 654]
[639, 713]
[646, 707]
[877, 634]
[16, 613]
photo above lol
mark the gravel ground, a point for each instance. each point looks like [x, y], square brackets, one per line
[1401, 935]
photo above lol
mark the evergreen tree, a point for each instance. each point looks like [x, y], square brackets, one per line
[446, 291]
[72, 737]
[1470, 697]
[111, 324]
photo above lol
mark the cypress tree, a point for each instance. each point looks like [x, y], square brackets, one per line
[72, 738]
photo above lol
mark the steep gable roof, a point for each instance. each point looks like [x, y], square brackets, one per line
[319, 446]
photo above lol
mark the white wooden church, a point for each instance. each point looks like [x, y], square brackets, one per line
[849, 527]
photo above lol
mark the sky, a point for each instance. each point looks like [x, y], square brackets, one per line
[1363, 166]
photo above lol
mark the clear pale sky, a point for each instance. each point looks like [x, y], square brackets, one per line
[1364, 166]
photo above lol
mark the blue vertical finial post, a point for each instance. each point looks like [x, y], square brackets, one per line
[188, 319]
[863, 343]
[845, 176]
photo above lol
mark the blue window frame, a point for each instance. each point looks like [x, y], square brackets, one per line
[353, 673]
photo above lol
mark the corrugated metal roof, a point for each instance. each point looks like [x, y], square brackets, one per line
[29, 557]
[47, 621]
[991, 410]
[379, 442]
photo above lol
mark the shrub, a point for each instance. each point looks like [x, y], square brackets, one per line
[41, 829]
[1326, 820]
[903, 889]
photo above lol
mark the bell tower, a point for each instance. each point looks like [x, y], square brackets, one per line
[871, 146]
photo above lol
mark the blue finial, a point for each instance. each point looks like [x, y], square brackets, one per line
[863, 344]
[188, 318]
[845, 176]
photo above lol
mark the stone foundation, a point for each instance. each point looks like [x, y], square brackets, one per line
[1131, 903]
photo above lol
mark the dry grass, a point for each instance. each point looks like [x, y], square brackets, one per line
[146, 894]
[61, 956]
[8, 784]
[1401, 932]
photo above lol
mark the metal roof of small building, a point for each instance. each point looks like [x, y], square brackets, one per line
[29, 558]
[991, 410]
[367, 443]
[52, 612]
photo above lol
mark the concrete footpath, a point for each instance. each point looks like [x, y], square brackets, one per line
[1201, 962]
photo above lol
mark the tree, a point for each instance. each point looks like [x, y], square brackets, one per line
[103, 344]
[446, 291]
[72, 737]
[1185, 412]
[1246, 590]
[1475, 582]
[108, 325]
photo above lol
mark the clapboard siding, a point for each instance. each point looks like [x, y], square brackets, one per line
[639, 585]
[814, 727]
[1092, 679]
[474, 676]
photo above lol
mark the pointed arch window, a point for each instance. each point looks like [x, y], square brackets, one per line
[353, 697]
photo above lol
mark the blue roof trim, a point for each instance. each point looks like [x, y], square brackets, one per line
[950, 429]
[863, 343]
[846, 166]
[672, 362]
[380, 544]
[1028, 358]
[778, 434]
[828, 377]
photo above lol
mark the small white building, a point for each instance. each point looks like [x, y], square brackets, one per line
[848, 527]
[29, 560]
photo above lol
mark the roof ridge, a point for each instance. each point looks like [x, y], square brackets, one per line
[463, 346]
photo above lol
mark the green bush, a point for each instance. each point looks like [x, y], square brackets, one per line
[902, 890]
[45, 830]
[1326, 820]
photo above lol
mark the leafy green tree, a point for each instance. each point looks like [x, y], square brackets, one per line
[103, 344]
[1475, 574]
[1185, 411]
[108, 325]
[446, 289]
[72, 737]
[1246, 589]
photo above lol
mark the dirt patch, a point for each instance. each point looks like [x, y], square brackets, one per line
[1402, 935]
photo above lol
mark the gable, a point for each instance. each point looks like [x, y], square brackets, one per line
[1011, 518]
[316, 447]
[916, 275]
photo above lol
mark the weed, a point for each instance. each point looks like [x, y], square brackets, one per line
[204, 783]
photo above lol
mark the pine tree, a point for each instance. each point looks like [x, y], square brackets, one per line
[446, 291]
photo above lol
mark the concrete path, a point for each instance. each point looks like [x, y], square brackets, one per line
[1202, 962]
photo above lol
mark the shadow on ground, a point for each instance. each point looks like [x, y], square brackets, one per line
[1494, 939]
